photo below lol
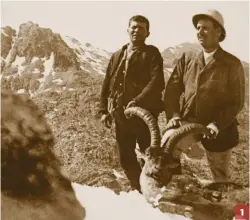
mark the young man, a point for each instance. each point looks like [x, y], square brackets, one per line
[208, 88]
[134, 78]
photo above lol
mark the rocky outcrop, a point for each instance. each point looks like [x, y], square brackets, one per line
[32, 184]
[35, 42]
[37, 59]
[7, 35]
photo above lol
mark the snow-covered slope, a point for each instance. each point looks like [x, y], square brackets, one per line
[92, 59]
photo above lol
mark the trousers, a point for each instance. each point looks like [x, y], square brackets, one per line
[128, 133]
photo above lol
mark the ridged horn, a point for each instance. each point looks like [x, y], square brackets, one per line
[182, 132]
[150, 121]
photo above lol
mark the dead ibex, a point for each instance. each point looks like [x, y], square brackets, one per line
[32, 186]
[159, 162]
[160, 165]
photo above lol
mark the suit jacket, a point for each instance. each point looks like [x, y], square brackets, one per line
[211, 93]
[143, 81]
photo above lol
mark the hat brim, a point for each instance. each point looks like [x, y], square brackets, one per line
[198, 17]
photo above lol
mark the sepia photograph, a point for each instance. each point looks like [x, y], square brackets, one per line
[123, 110]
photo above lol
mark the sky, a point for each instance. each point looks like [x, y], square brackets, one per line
[104, 23]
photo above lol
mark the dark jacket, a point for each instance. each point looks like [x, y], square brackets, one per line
[143, 82]
[211, 93]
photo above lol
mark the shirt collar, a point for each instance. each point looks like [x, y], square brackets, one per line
[206, 54]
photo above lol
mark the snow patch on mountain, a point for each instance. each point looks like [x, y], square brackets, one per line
[90, 57]
[18, 63]
[48, 64]
[2, 31]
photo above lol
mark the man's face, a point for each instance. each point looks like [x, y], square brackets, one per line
[208, 35]
[137, 31]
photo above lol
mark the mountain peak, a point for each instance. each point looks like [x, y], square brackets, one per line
[36, 42]
[38, 57]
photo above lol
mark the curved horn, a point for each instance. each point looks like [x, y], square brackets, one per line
[182, 132]
[151, 122]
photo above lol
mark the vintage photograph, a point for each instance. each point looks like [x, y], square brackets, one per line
[123, 110]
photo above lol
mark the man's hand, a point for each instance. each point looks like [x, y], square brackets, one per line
[174, 123]
[106, 119]
[213, 131]
[131, 104]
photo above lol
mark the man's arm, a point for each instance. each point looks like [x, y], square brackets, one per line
[156, 83]
[103, 109]
[237, 96]
[173, 91]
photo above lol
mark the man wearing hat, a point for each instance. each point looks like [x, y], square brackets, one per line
[208, 87]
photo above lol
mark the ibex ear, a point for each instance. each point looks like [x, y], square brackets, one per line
[140, 157]
[140, 154]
